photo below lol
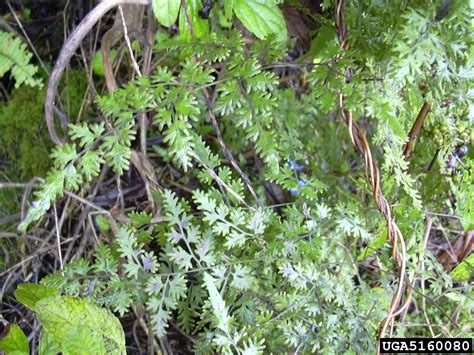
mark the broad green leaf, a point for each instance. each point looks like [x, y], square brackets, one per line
[218, 304]
[29, 294]
[261, 17]
[200, 27]
[223, 21]
[15, 341]
[78, 326]
[228, 6]
[47, 346]
[98, 62]
[166, 11]
[465, 270]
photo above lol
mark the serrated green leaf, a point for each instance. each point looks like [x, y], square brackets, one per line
[465, 270]
[181, 258]
[14, 342]
[78, 326]
[166, 11]
[127, 241]
[52, 188]
[228, 7]
[160, 322]
[261, 17]
[98, 62]
[29, 294]
[200, 26]
[47, 346]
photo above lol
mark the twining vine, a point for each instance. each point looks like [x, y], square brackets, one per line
[373, 176]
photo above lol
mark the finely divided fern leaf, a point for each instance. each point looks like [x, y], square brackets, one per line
[15, 56]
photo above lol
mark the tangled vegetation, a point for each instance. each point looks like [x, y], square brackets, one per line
[246, 176]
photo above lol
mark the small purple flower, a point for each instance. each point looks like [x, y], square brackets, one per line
[148, 263]
[294, 166]
[301, 183]
[176, 236]
[288, 271]
[184, 223]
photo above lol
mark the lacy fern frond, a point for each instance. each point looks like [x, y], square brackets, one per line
[14, 56]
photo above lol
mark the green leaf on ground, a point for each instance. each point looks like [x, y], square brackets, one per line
[15, 341]
[78, 326]
[29, 294]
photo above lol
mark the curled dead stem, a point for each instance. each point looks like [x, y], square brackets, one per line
[67, 52]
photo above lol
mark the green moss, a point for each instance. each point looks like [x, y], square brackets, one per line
[24, 140]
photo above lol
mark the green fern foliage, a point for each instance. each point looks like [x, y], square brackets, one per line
[289, 253]
[14, 56]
